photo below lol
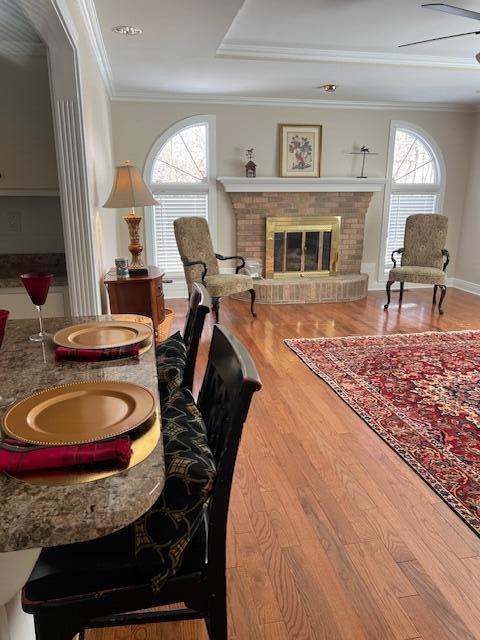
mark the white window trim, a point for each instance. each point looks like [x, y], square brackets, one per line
[210, 120]
[423, 188]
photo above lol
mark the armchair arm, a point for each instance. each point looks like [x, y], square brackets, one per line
[446, 255]
[192, 263]
[238, 267]
[393, 253]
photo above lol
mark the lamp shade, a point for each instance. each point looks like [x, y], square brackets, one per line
[129, 189]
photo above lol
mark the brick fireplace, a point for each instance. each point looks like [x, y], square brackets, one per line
[347, 198]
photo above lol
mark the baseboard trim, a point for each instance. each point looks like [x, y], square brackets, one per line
[465, 285]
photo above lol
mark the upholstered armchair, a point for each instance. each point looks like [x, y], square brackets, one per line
[424, 258]
[200, 263]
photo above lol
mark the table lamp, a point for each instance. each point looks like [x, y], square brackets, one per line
[129, 190]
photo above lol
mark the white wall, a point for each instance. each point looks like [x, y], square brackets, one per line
[468, 261]
[136, 125]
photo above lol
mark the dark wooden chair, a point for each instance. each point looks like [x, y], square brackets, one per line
[200, 303]
[98, 584]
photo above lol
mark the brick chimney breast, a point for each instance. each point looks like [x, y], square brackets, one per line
[252, 210]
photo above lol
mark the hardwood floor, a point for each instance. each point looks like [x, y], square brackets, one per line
[331, 535]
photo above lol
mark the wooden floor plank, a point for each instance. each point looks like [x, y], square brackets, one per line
[286, 591]
[320, 500]
[382, 580]
[437, 604]
[263, 597]
[424, 619]
[280, 522]
[275, 631]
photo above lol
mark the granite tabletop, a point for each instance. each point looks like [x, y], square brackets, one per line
[40, 516]
[59, 280]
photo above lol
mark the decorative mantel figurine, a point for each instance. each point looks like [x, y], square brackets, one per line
[250, 167]
[363, 151]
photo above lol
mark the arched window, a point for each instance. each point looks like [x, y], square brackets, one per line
[180, 170]
[416, 178]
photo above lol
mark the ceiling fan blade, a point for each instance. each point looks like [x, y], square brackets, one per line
[457, 35]
[456, 11]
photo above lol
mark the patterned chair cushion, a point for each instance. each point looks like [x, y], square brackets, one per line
[422, 275]
[163, 533]
[171, 359]
[226, 284]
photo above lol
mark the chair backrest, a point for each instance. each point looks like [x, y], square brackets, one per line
[195, 243]
[425, 237]
[230, 381]
[199, 306]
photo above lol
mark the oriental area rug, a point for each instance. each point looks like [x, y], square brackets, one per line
[420, 392]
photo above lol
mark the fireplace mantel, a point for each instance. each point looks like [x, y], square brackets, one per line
[305, 185]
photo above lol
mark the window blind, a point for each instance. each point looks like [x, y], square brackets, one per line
[169, 208]
[403, 205]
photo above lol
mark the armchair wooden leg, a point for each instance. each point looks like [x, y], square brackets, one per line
[443, 290]
[252, 302]
[402, 284]
[434, 301]
[389, 286]
[216, 308]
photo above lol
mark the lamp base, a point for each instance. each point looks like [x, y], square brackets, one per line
[139, 271]
[133, 221]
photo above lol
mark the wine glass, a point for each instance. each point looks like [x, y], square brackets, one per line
[37, 285]
[3, 323]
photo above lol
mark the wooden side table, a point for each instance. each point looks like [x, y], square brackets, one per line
[142, 294]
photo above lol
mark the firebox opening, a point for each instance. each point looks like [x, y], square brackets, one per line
[302, 246]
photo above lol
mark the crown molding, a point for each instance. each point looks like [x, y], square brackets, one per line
[317, 103]
[295, 185]
[90, 19]
[255, 51]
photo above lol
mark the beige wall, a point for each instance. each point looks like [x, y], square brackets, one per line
[30, 224]
[27, 148]
[27, 158]
[99, 148]
[136, 125]
[468, 261]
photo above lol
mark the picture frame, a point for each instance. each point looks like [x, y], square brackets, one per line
[300, 150]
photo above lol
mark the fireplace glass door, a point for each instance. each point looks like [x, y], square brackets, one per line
[302, 249]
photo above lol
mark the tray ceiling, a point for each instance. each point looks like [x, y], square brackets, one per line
[282, 50]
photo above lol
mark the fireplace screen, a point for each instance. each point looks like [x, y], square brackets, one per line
[301, 246]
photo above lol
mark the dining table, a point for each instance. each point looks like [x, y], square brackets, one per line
[34, 516]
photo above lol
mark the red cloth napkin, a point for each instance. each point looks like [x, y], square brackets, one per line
[92, 355]
[116, 451]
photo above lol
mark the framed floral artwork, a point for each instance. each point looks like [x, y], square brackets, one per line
[300, 150]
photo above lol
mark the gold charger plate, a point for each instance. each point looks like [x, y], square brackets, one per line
[105, 334]
[132, 317]
[79, 412]
[142, 447]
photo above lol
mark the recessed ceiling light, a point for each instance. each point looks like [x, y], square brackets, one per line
[127, 30]
[329, 88]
